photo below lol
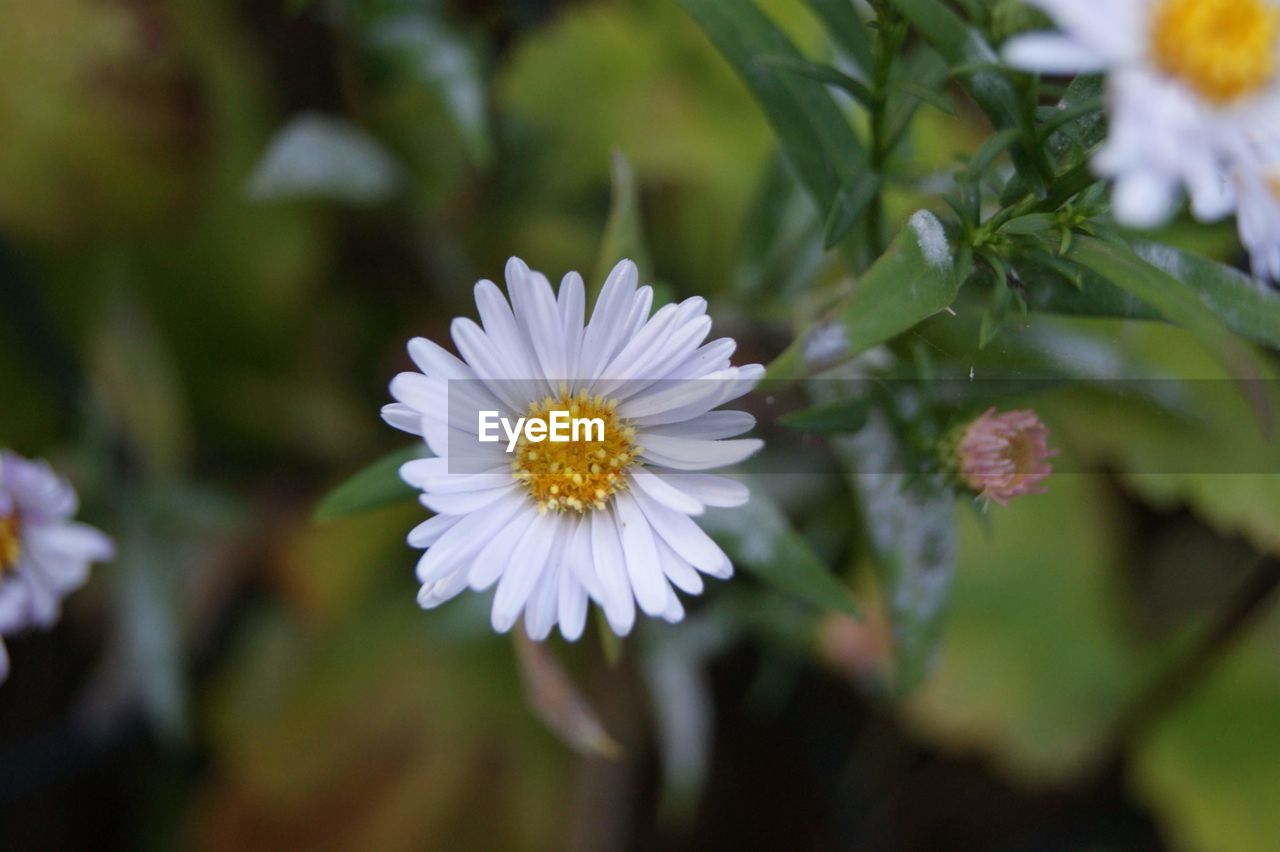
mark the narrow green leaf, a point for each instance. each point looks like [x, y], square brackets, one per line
[1176, 301]
[815, 136]
[846, 28]
[623, 237]
[377, 485]
[1233, 297]
[843, 417]
[936, 98]
[1032, 223]
[850, 202]
[760, 540]
[822, 74]
[995, 145]
[979, 68]
[914, 279]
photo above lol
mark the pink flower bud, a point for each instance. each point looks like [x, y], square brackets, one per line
[1002, 456]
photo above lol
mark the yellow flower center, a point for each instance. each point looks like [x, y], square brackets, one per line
[1224, 49]
[575, 475]
[10, 542]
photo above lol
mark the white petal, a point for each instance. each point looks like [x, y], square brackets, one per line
[543, 609]
[467, 537]
[539, 316]
[1144, 199]
[659, 403]
[695, 453]
[657, 487]
[573, 606]
[431, 595]
[709, 358]
[466, 502]
[606, 323]
[572, 302]
[678, 570]
[524, 571]
[73, 540]
[495, 555]
[686, 538]
[429, 531]
[1050, 53]
[402, 417]
[615, 589]
[580, 560]
[641, 555]
[710, 489]
[711, 426]
[505, 379]
[437, 362]
[673, 612]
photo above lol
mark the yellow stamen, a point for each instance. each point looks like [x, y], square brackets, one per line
[570, 475]
[1224, 49]
[10, 542]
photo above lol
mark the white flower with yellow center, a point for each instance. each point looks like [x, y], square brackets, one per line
[606, 516]
[1190, 83]
[44, 554]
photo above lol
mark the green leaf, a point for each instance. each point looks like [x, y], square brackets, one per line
[815, 137]
[909, 524]
[936, 98]
[1175, 300]
[322, 157]
[976, 63]
[624, 229]
[1032, 223]
[1241, 302]
[780, 254]
[822, 74]
[914, 279]
[846, 28]
[995, 145]
[845, 416]
[377, 485]
[760, 539]
[850, 202]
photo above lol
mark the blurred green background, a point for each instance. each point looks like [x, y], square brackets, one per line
[219, 223]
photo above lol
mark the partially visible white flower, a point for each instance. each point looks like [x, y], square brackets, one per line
[44, 554]
[1190, 83]
[555, 525]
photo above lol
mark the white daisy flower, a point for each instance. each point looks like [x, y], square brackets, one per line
[607, 517]
[1189, 82]
[44, 555]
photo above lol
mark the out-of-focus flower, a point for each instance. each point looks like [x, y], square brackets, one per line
[44, 554]
[558, 524]
[1002, 456]
[1190, 84]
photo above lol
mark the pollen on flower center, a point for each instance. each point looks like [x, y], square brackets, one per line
[1224, 49]
[10, 542]
[576, 475]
